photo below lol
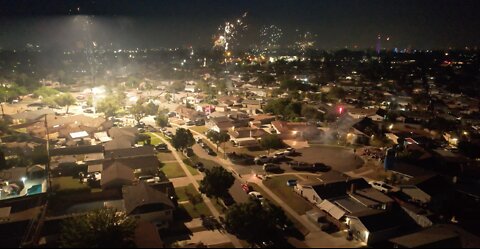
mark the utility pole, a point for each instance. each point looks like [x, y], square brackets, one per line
[47, 167]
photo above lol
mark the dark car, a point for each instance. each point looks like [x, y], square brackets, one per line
[199, 122]
[200, 166]
[210, 151]
[161, 147]
[228, 200]
[321, 167]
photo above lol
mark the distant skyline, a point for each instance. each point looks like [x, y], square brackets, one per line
[425, 24]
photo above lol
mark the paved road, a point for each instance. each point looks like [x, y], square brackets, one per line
[316, 238]
[236, 190]
[207, 201]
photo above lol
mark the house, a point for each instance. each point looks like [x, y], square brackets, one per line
[376, 226]
[118, 143]
[147, 204]
[220, 124]
[116, 175]
[31, 116]
[262, 119]
[131, 134]
[102, 137]
[439, 236]
[188, 114]
[374, 114]
[146, 236]
[317, 191]
[252, 105]
[299, 131]
[246, 136]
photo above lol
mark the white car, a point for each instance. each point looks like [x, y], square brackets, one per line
[383, 187]
[256, 195]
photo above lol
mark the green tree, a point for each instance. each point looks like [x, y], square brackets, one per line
[151, 108]
[103, 228]
[66, 100]
[183, 139]
[216, 182]
[162, 120]
[218, 137]
[109, 106]
[336, 93]
[11, 91]
[310, 112]
[255, 222]
[138, 111]
[45, 92]
[271, 141]
[266, 79]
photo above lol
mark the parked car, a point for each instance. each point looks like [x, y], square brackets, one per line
[247, 188]
[190, 123]
[256, 195]
[228, 200]
[383, 187]
[279, 156]
[200, 166]
[289, 151]
[169, 134]
[199, 122]
[291, 182]
[210, 151]
[188, 152]
[262, 159]
[321, 167]
[161, 147]
[198, 140]
[269, 167]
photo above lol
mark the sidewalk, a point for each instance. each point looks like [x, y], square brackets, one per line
[193, 181]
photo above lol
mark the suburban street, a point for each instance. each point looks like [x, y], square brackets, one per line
[315, 237]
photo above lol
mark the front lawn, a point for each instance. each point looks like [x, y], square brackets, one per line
[172, 170]
[197, 210]
[278, 185]
[183, 192]
[200, 129]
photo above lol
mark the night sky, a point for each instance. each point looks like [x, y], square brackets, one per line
[421, 24]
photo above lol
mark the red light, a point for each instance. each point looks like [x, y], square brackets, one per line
[340, 110]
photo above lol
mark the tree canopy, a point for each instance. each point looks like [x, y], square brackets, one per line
[110, 105]
[216, 182]
[218, 137]
[45, 92]
[103, 228]
[65, 99]
[256, 222]
[138, 111]
[183, 139]
[271, 141]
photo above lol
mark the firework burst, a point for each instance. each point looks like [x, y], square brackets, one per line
[229, 32]
[305, 41]
[270, 39]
